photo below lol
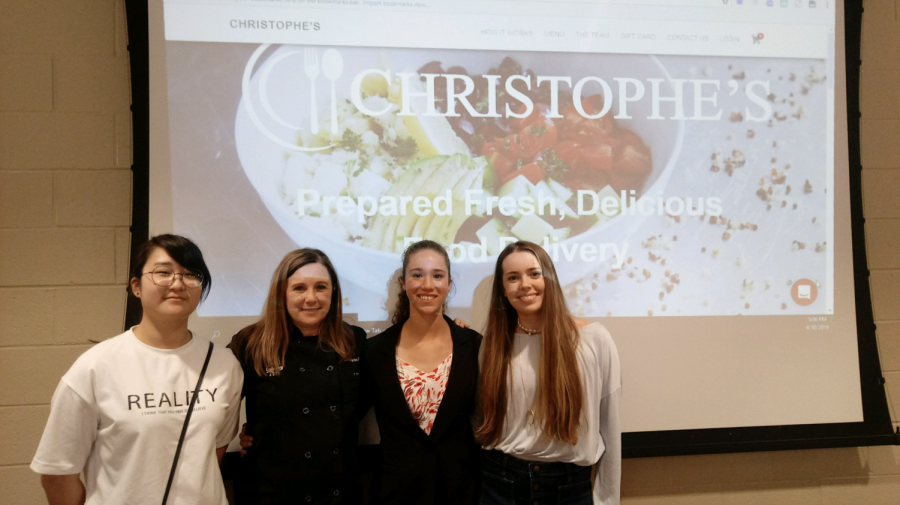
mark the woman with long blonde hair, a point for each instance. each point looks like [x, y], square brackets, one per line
[305, 391]
[549, 392]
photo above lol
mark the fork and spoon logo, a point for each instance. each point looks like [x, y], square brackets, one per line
[331, 67]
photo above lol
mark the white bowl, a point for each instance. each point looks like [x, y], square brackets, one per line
[263, 154]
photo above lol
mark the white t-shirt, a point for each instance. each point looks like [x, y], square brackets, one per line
[117, 415]
[599, 433]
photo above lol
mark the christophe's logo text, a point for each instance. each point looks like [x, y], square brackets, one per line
[668, 98]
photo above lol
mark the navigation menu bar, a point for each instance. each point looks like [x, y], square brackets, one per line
[290, 25]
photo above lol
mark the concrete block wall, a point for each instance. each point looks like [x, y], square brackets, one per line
[65, 200]
[65, 207]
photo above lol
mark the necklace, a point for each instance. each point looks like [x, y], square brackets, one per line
[528, 331]
[529, 415]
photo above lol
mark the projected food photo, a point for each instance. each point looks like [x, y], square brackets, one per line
[367, 149]
[659, 185]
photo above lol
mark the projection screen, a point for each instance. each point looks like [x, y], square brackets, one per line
[684, 162]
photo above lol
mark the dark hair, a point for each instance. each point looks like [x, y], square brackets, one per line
[401, 311]
[181, 249]
[268, 342]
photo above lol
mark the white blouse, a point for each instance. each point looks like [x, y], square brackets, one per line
[599, 434]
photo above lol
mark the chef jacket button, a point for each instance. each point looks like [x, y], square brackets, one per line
[309, 498]
[308, 455]
[333, 408]
[336, 492]
[337, 451]
[330, 368]
[537, 468]
[305, 410]
[302, 369]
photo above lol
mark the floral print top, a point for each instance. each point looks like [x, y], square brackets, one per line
[424, 390]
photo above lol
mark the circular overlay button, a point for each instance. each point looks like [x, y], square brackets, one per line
[804, 292]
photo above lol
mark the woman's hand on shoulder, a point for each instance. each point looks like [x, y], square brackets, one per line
[461, 323]
[238, 343]
[246, 440]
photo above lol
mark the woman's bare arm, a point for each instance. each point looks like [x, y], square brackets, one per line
[63, 489]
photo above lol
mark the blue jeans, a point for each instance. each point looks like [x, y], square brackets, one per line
[513, 481]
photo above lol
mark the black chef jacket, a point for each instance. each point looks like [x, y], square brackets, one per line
[304, 423]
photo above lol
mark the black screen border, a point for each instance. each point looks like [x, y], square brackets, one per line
[876, 429]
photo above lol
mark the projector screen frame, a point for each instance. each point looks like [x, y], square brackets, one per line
[876, 429]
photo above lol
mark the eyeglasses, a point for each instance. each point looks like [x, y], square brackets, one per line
[164, 276]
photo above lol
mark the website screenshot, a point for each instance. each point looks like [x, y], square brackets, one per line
[618, 135]
[675, 158]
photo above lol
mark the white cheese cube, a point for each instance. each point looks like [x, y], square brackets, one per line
[532, 229]
[368, 183]
[330, 179]
[559, 234]
[606, 192]
[516, 188]
[561, 191]
[491, 233]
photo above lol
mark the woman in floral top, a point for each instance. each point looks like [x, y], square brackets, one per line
[425, 372]
[424, 390]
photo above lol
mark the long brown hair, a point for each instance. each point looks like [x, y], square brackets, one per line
[268, 341]
[401, 310]
[558, 401]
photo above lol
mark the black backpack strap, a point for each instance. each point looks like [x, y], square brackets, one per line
[187, 419]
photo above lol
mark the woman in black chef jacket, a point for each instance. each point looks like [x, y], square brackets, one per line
[304, 390]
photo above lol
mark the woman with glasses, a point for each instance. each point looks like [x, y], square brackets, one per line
[304, 389]
[425, 373]
[549, 392]
[118, 413]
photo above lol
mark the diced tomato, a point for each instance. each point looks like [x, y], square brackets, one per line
[523, 146]
[624, 138]
[590, 166]
[624, 181]
[597, 152]
[597, 157]
[502, 165]
[592, 104]
[531, 171]
[547, 134]
[635, 160]
[537, 134]
[577, 127]
[594, 181]
[536, 117]
[568, 150]
[500, 160]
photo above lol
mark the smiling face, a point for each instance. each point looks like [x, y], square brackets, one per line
[523, 283]
[159, 303]
[308, 297]
[427, 282]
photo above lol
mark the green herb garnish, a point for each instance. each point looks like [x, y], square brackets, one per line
[538, 130]
[350, 141]
[483, 104]
[552, 165]
[401, 148]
